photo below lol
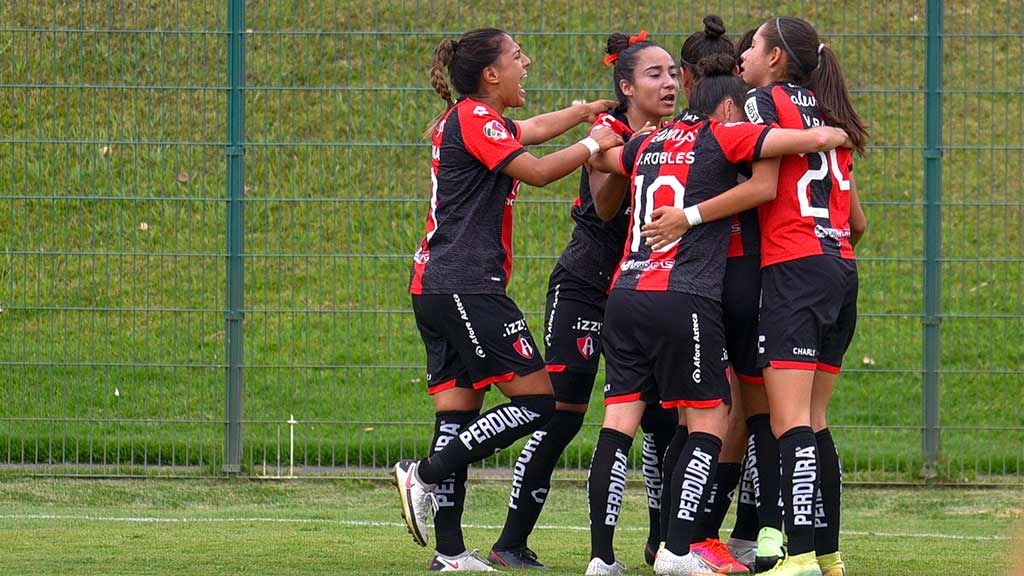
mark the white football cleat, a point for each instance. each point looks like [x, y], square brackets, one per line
[417, 500]
[669, 564]
[465, 562]
[597, 567]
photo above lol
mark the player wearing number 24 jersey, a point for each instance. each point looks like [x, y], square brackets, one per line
[809, 284]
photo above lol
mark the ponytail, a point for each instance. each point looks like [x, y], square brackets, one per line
[465, 60]
[442, 59]
[829, 87]
[811, 64]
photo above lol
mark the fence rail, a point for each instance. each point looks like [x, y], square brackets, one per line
[175, 175]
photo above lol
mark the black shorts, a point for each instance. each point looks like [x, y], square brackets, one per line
[473, 340]
[572, 329]
[808, 313]
[664, 346]
[741, 297]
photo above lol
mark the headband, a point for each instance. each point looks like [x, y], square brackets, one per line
[792, 54]
[641, 37]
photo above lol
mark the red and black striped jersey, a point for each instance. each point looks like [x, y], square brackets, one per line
[691, 160]
[468, 244]
[596, 246]
[810, 215]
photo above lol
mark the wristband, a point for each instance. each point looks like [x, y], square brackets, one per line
[692, 216]
[591, 145]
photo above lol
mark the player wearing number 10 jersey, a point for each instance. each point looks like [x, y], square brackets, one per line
[809, 282]
[645, 80]
[663, 325]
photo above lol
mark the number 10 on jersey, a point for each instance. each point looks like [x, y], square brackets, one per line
[643, 205]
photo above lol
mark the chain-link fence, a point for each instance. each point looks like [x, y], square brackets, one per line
[122, 253]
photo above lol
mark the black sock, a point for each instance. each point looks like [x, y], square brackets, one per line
[765, 458]
[799, 487]
[668, 465]
[659, 426]
[488, 433]
[451, 492]
[830, 490]
[691, 480]
[606, 485]
[746, 505]
[727, 477]
[531, 477]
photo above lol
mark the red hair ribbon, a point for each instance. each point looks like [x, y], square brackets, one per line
[611, 58]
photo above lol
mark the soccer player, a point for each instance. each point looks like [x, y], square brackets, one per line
[474, 335]
[651, 355]
[646, 84]
[809, 283]
[739, 307]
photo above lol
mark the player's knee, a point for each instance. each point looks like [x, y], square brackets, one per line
[543, 405]
[818, 422]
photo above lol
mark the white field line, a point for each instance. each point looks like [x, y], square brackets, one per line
[379, 524]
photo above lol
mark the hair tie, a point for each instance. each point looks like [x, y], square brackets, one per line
[638, 38]
[611, 58]
[820, 48]
[455, 45]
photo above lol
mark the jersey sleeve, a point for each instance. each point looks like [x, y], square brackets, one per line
[740, 141]
[614, 124]
[760, 107]
[630, 152]
[492, 140]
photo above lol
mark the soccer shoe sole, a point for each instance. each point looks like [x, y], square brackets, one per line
[410, 522]
[765, 563]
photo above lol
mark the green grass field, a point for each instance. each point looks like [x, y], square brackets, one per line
[112, 218]
[171, 527]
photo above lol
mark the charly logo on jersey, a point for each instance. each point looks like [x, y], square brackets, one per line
[753, 114]
[586, 346]
[421, 256]
[524, 348]
[495, 130]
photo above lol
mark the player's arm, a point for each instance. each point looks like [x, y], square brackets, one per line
[544, 127]
[782, 141]
[617, 163]
[668, 223]
[546, 169]
[608, 191]
[858, 222]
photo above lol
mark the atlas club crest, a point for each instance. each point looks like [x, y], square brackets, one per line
[586, 346]
[524, 348]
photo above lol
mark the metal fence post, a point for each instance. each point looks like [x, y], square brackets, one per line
[234, 316]
[932, 238]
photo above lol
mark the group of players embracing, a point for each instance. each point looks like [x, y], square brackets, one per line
[711, 264]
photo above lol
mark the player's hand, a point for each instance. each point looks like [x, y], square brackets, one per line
[592, 109]
[605, 137]
[646, 129]
[668, 224]
[834, 137]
